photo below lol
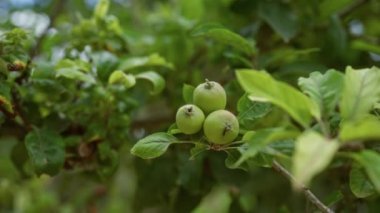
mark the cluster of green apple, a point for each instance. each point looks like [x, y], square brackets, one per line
[208, 112]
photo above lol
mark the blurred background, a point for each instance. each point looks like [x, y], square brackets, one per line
[289, 39]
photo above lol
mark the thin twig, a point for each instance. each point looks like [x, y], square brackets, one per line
[352, 7]
[57, 9]
[309, 195]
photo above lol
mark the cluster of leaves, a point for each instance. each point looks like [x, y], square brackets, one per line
[74, 101]
[73, 113]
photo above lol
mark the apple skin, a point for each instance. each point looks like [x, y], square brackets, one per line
[189, 119]
[210, 96]
[221, 127]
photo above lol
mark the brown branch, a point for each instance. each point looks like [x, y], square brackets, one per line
[309, 195]
[57, 9]
[18, 110]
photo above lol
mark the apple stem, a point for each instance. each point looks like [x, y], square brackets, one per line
[189, 111]
[208, 84]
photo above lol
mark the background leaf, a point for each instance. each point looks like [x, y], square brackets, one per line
[74, 69]
[370, 160]
[101, 9]
[5, 97]
[155, 79]
[198, 149]
[365, 46]
[280, 17]
[219, 200]
[224, 36]
[46, 151]
[152, 60]
[359, 183]
[187, 93]
[75, 75]
[118, 76]
[328, 8]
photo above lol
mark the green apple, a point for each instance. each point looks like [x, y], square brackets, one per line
[210, 96]
[189, 119]
[221, 127]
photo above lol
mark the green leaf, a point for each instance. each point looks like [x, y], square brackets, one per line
[251, 111]
[324, 89]
[5, 97]
[189, 172]
[336, 39]
[75, 75]
[46, 151]
[365, 46]
[258, 140]
[280, 17]
[312, 154]
[108, 160]
[187, 93]
[173, 129]
[262, 87]
[224, 36]
[101, 9]
[145, 61]
[198, 149]
[153, 145]
[113, 25]
[74, 64]
[286, 56]
[333, 197]
[370, 160]
[119, 77]
[233, 156]
[77, 70]
[363, 129]
[16, 36]
[328, 8]
[360, 93]
[192, 9]
[236, 59]
[157, 81]
[3, 67]
[19, 157]
[219, 200]
[376, 106]
[359, 183]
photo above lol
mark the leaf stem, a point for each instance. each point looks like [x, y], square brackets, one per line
[309, 195]
[238, 142]
[185, 142]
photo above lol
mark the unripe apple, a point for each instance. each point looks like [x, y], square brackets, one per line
[221, 127]
[189, 119]
[210, 96]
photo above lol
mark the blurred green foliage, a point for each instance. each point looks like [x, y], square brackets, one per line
[95, 77]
